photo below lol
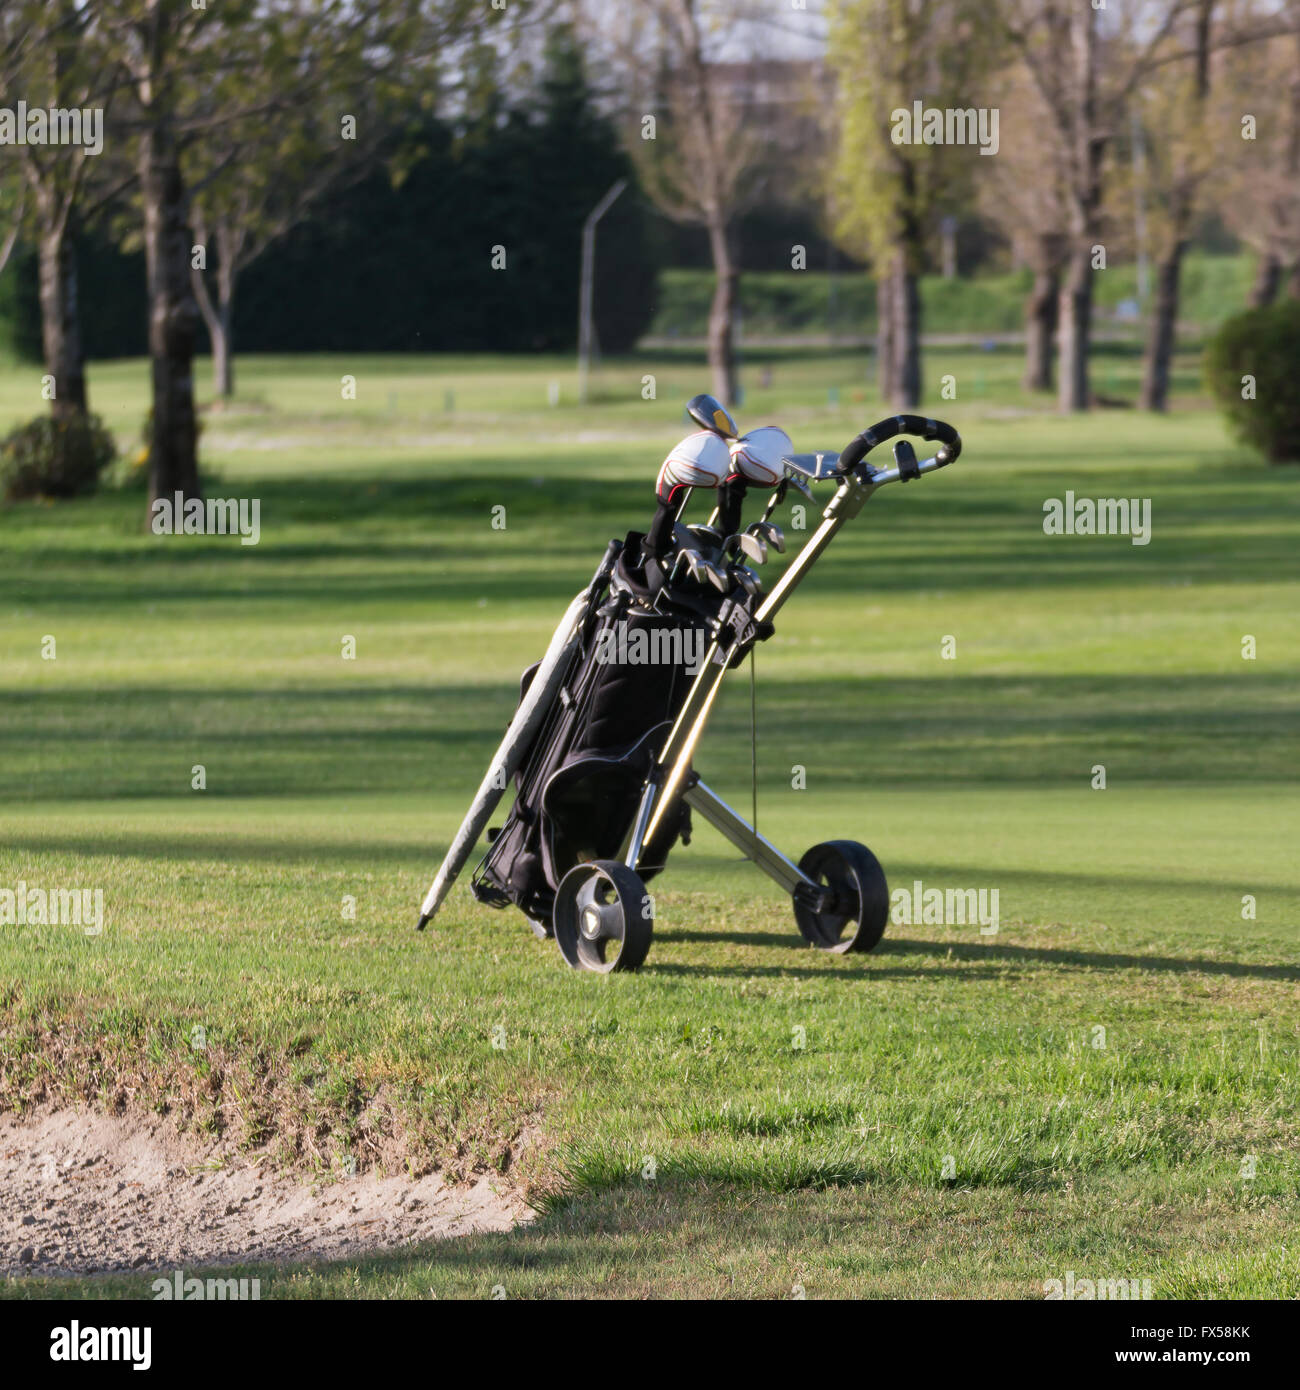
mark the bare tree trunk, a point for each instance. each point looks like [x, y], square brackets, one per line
[1089, 143]
[907, 335]
[11, 237]
[722, 314]
[1076, 330]
[223, 360]
[1164, 317]
[948, 234]
[1293, 143]
[1160, 339]
[1268, 277]
[886, 358]
[1041, 308]
[217, 317]
[173, 461]
[61, 320]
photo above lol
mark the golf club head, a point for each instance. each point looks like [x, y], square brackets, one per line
[751, 546]
[702, 570]
[812, 467]
[759, 456]
[700, 460]
[770, 532]
[796, 481]
[711, 414]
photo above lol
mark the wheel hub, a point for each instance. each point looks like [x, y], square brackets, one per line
[597, 917]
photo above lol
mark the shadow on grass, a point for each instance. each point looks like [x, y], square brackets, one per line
[983, 960]
[223, 848]
[974, 533]
[1090, 960]
[1035, 729]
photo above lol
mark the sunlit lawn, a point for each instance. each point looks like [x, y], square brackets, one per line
[955, 1114]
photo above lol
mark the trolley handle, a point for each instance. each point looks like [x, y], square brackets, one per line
[857, 449]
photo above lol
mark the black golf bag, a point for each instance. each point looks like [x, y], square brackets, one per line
[579, 786]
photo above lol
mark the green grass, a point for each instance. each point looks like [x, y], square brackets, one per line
[775, 1164]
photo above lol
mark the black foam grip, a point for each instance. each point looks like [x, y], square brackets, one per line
[857, 449]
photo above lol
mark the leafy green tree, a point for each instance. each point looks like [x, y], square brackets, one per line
[888, 191]
[47, 54]
[192, 73]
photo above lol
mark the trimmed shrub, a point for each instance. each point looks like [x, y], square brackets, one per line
[1252, 367]
[49, 457]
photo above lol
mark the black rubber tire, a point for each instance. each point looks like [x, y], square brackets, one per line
[599, 905]
[856, 876]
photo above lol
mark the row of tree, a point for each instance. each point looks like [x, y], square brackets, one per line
[248, 129]
[1117, 124]
[222, 123]
[401, 258]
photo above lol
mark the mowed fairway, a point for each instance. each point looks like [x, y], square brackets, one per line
[1107, 1085]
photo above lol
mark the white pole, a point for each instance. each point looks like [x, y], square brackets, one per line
[586, 329]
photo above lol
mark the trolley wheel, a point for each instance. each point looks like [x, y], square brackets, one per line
[861, 909]
[600, 917]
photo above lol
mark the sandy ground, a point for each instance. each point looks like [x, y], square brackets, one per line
[83, 1193]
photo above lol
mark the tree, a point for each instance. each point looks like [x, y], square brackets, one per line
[1085, 80]
[694, 138]
[1021, 192]
[1178, 165]
[46, 54]
[577, 156]
[192, 72]
[1256, 121]
[889, 183]
[14, 225]
[251, 182]
[249, 191]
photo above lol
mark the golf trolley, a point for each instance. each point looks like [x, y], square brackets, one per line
[601, 747]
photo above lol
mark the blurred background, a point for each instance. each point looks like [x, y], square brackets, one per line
[414, 177]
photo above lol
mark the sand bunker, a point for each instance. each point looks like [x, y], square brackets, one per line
[84, 1193]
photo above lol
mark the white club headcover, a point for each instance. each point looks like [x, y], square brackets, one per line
[700, 460]
[757, 456]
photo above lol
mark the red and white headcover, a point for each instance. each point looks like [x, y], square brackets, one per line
[757, 456]
[700, 460]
